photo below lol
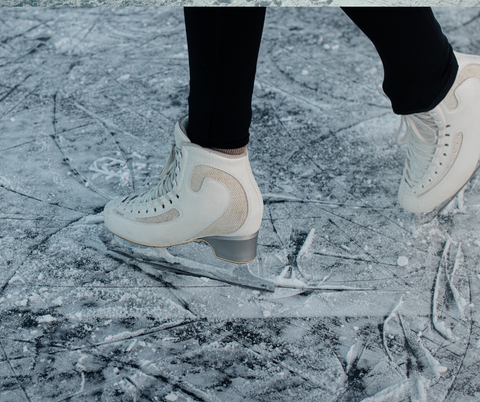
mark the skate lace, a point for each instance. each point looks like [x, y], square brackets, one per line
[422, 129]
[167, 182]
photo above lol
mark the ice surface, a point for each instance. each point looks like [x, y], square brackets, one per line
[89, 98]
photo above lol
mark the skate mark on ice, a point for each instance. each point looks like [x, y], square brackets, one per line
[41, 23]
[462, 25]
[270, 218]
[282, 199]
[55, 204]
[357, 198]
[385, 327]
[94, 23]
[14, 373]
[272, 199]
[322, 170]
[32, 249]
[451, 294]
[379, 264]
[23, 143]
[66, 159]
[473, 324]
[20, 102]
[350, 257]
[109, 125]
[13, 89]
[153, 369]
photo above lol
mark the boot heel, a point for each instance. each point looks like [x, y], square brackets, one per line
[240, 249]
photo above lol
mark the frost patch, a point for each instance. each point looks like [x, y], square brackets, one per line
[46, 319]
[111, 168]
[4, 182]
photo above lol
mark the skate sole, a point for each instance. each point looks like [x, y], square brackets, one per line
[427, 217]
[238, 250]
[239, 275]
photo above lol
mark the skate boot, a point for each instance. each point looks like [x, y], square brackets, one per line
[444, 144]
[203, 195]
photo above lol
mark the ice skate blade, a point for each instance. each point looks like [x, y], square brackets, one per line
[160, 258]
[427, 217]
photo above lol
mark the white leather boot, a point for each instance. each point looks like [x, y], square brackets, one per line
[203, 195]
[444, 143]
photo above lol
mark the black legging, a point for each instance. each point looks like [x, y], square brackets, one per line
[223, 45]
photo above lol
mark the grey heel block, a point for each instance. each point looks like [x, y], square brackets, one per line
[239, 249]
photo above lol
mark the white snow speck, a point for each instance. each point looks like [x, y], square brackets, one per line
[179, 56]
[402, 261]
[326, 47]
[306, 245]
[46, 318]
[124, 77]
[14, 279]
[12, 119]
[132, 345]
[171, 397]
[5, 182]
[58, 301]
[305, 72]
[267, 313]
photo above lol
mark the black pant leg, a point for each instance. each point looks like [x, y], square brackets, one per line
[418, 61]
[223, 45]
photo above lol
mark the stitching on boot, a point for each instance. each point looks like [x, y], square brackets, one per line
[236, 214]
[451, 160]
[165, 217]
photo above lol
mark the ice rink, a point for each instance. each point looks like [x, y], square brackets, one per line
[373, 306]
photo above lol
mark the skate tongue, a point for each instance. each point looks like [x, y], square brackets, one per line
[181, 132]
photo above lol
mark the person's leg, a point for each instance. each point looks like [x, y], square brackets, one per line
[223, 45]
[437, 92]
[419, 63]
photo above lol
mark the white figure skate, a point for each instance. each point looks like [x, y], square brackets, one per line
[444, 145]
[203, 195]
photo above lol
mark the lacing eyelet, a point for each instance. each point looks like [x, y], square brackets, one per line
[178, 196]
[138, 211]
[171, 202]
[154, 209]
[163, 206]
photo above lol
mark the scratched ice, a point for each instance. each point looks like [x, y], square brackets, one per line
[89, 98]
